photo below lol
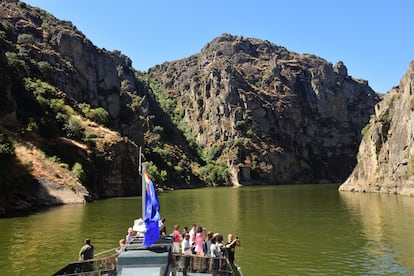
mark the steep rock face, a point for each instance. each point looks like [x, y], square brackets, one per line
[386, 154]
[51, 53]
[273, 115]
[84, 72]
[120, 176]
[53, 83]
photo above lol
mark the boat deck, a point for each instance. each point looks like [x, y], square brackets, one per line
[135, 259]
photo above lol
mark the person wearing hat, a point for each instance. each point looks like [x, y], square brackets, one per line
[130, 237]
[86, 252]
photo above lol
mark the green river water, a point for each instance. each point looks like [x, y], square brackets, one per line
[284, 230]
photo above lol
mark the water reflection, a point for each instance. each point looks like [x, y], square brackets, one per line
[41, 232]
[284, 230]
[385, 229]
[216, 209]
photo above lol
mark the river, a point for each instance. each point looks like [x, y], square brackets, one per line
[284, 230]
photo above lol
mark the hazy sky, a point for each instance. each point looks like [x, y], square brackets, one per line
[372, 38]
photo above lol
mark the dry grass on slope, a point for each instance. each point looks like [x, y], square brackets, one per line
[40, 165]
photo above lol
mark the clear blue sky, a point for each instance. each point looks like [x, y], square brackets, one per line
[373, 38]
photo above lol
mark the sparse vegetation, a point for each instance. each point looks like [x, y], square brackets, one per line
[45, 68]
[158, 176]
[7, 150]
[98, 115]
[385, 117]
[78, 171]
[365, 130]
[74, 128]
[215, 173]
[40, 88]
[17, 65]
[167, 103]
[25, 39]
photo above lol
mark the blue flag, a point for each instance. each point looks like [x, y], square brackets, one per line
[152, 212]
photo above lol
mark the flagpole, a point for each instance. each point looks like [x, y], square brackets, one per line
[143, 193]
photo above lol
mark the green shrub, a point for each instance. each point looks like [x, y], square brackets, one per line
[40, 88]
[84, 107]
[32, 125]
[211, 153]
[44, 25]
[78, 171]
[158, 176]
[7, 150]
[25, 39]
[43, 101]
[45, 68]
[158, 129]
[385, 117]
[73, 128]
[3, 38]
[17, 65]
[99, 115]
[54, 159]
[124, 85]
[164, 153]
[214, 173]
[57, 105]
[365, 130]
[61, 118]
[167, 103]
[178, 169]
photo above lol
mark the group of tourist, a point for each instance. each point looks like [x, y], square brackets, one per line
[202, 243]
[195, 241]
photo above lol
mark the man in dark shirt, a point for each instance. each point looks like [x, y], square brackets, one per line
[86, 251]
[230, 247]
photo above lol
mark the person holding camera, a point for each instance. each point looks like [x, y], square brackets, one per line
[230, 247]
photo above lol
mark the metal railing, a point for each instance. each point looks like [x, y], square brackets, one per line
[201, 264]
[93, 267]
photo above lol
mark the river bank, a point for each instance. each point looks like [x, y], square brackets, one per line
[47, 194]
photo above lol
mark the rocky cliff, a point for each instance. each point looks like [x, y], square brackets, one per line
[82, 112]
[386, 154]
[274, 116]
[59, 95]
[65, 58]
